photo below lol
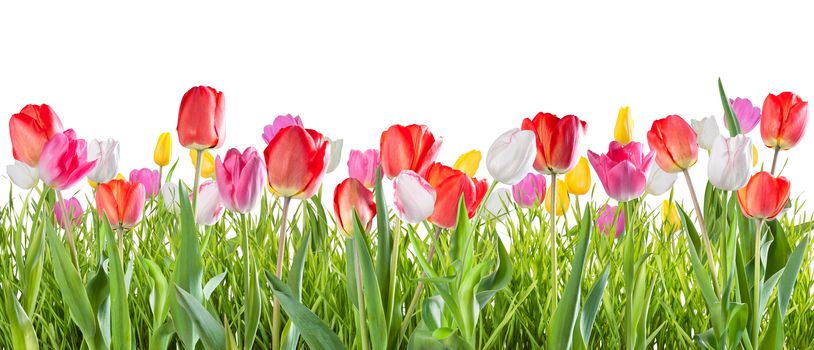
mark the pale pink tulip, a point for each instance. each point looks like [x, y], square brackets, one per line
[362, 166]
[240, 179]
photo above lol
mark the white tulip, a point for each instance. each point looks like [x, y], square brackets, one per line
[414, 198]
[210, 206]
[511, 156]
[106, 154]
[707, 131]
[499, 202]
[659, 181]
[730, 162]
[23, 175]
[169, 194]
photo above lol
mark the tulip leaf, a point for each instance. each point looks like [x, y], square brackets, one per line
[779, 250]
[377, 324]
[789, 277]
[23, 335]
[120, 312]
[499, 279]
[591, 307]
[188, 273]
[32, 270]
[732, 123]
[385, 241]
[159, 295]
[70, 285]
[295, 283]
[213, 283]
[211, 331]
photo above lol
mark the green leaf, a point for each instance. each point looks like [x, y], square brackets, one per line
[377, 323]
[497, 280]
[71, 287]
[591, 307]
[188, 272]
[787, 280]
[295, 283]
[120, 312]
[23, 335]
[732, 123]
[211, 331]
[773, 337]
[160, 294]
[32, 270]
[385, 240]
[779, 250]
[459, 246]
[213, 283]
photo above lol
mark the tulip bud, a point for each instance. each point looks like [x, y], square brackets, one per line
[764, 196]
[207, 162]
[362, 166]
[558, 141]
[200, 118]
[675, 143]
[413, 197]
[450, 185]
[784, 120]
[210, 207]
[707, 131]
[147, 178]
[169, 195]
[754, 155]
[499, 203]
[121, 201]
[511, 156]
[468, 162]
[729, 162]
[659, 181]
[64, 161]
[296, 161]
[163, 150]
[669, 217]
[747, 115]
[578, 179]
[240, 179]
[605, 220]
[412, 147]
[282, 121]
[623, 132]
[530, 191]
[106, 154]
[335, 154]
[622, 170]
[23, 175]
[351, 196]
[70, 212]
[563, 201]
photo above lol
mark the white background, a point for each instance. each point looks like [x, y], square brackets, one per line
[469, 71]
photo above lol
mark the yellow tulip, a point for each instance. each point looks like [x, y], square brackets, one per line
[163, 150]
[468, 162]
[208, 165]
[119, 176]
[623, 132]
[669, 217]
[563, 201]
[754, 155]
[92, 183]
[578, 180]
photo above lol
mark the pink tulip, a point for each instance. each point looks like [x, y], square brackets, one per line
[605, 220]
[362, 166]
[530, 190]
[148, 178]
[279, 123]
[72, 209]
[210, 206]
[623, 170]
[240, 179]
[64, 161]
[747, 115]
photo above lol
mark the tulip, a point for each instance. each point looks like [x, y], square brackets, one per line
[764, 196]
[530, 190]
[71, 211]
[335, 154]
[622, 170]
[450, 185]
[563, 201]
[207, 162]
[578, 179]
[730, 162]
[240, 179]
[675, 144]
[22, 175]
[748, 116]
[296, 160]
[362, 166]
[468, 162]
[210, 206]
[623, 132]
[499, 202]
[754, 155]
[106, 154]
[413, 197]
[352, 196]
[707, 131]
[412, 147]
[511, 156]
[122, 201]
[163, 150]
[282, 121]
[147, 178]
[784, 120]
[169, 195]
[669, 217]
[200, 118]
[30, 130]
[605, 220]
[659, 181]
[558, 141]
[64, 161]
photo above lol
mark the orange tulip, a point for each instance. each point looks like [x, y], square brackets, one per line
[30, 130]
[122, 201]
[764, 196]
[296, 159]
[558, 141]
[675, 144]
[351, 195]
[412, 147]
[784, 120]
[200, 118]
[450, 185]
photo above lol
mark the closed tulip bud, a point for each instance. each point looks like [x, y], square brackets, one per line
[240, 179]
[23, 175]
[121, 201]
[511, 156]
[207, 162]
[707, 131]
[558, 141]
[296, 161]
[675, 144]
[412, 147]
[413, 197]
[764, 196]
[468, 162]
[282, 121]
[119, 176]
[210, 206]
[578, 180]
[747, 115]
[71, 213]
[169, 195]
[64, 161]
[563, 200]
[623, 132]
[605, 220]
[163, 150]
[659, 181]
[754, 155]
[623, 170]
[784, 120]
[499, 203]
[351, 196]
[362, 166]
[669, 217]
[450, 185]
[147, 178]
[30, 130]
[106, 154]
[200, 118]
[530, 191]
[729, 162]
[335, 154]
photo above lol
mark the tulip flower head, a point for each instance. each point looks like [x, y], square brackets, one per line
[412, 147]
[296, 161]
[623, 170]
[30, 130]
[163, 150]
[558, 141]
[335, 154]
[563, 200]
[200, 118]
[578, 179]
[147, 178]
[623, 132]
[240, 178]
[207, 162]
[707, 131]
[764, 196]
[71, 213]
[413, 197]
[747, 115]
[530, 191]
[450, 185]
[169, 195]
[22, 175]
[351, 196]
[282, 121]
[605, 222]
[669, 217]
[784, 120]
[754, 155]
[730, 162]
[511, 156]
[362, 166]
[106, 154]
[675, 144]
[64, 161]
[659, 181]
[499, 203]
[121, 201]
[468, 162]
[210, 206]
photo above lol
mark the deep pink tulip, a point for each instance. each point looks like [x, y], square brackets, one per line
[623, 170]
[280, 122]
[362, 166]
[530, 190]
[72, 209]
[148, 178]
[240, 179]
[605, 220]
[64, 160]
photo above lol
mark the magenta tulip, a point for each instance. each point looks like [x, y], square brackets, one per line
[71, 212]
[362, 166]
[530, 190]
[240, 179]
[147, 178]
[278, 124]
[605, 220]
[623, 170]
[747, 115]
[64, 161]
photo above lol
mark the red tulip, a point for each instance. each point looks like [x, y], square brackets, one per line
[296, 159]
[200, 118]
[30, 130]
[764, 196]
[558, 141]
[675, 144]
[351, 195]
[784, 120]
[122, 201]
[412, 147]
[449, 185]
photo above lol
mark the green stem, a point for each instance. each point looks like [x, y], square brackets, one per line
[704, 235]
[275, 322]
[244, 246]
[360, 298]
[758, 282]
[419, 288]
[774, 159]
[553, 238]
[198, 159]
[68, 230]
[120, 238]
[629, 278]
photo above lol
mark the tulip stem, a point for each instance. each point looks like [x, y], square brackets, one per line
[275, 322]
[360, 299]
[553, 233]
[707, 243]
[419, 288]
[120, 238]
[758, 282]
[198, 159]
[244, 242]
[68, 219]
[160, 176]
[774, 158]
